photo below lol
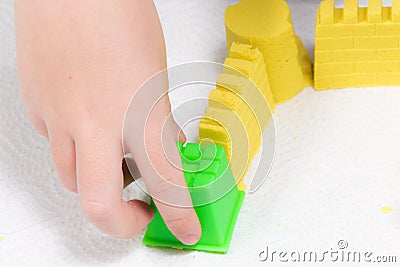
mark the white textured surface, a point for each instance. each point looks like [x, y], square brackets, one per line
[337, 163]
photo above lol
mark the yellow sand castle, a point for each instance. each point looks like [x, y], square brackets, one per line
[357, 46]
[267, 25]
[265, 56]
[238, 108]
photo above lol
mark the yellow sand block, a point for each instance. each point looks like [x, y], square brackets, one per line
[267, 25]
[357, 46]
[239, 108]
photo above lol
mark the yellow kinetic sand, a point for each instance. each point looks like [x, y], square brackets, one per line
[267, 25]
[239, 108]
[357, 46]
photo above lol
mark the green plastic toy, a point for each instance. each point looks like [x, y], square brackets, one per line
[215, 196]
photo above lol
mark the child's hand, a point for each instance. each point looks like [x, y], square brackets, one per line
[79, 64]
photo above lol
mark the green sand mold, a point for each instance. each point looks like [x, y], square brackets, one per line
[215, 196]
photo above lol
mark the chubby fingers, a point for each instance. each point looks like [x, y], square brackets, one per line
[164, 179]
[63, 153]
[167, 186]
[150, 135]
[100, 184]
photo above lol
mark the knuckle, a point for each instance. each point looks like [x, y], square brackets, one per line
[165, 186]
[178, 224]
[88, 129]
[96, 211]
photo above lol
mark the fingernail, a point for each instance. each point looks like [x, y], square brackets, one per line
[188, 239]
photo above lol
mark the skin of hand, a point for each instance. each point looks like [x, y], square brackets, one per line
[79, 63]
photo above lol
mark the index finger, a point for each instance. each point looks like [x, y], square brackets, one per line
[168, 187]
[150, 134]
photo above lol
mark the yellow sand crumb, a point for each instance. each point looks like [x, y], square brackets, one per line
[386, 209]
